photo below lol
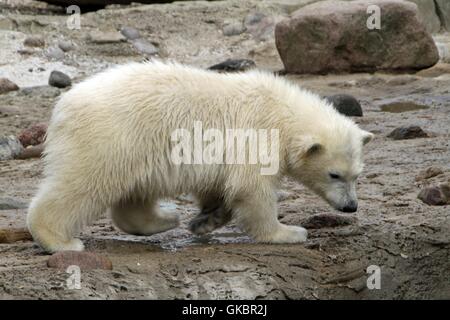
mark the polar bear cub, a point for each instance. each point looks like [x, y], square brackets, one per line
[109, 148]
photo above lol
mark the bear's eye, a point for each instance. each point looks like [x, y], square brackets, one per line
[334, 176]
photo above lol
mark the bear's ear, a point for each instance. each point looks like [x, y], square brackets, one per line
[366, 137]
[313, 149]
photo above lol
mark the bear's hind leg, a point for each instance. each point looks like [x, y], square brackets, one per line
[54, 218]
[143, 218]
[214, 214]
[257, 214]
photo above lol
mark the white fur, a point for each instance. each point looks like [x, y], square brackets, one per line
[108, 147]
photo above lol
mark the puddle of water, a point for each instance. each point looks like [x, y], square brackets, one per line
[398, 107]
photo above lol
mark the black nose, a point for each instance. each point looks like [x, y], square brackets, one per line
[351, 207]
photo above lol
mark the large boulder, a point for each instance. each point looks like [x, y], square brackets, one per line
[332, 36]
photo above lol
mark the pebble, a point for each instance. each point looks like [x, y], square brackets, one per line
[83, 259]
[233, 65]
[144, 47]
[59, 79]
[33, 135]
[233, 29]
[7, 203]
[328, 220]
[10, 147]
[65, 45]
[55, 53]
[31, 152]
[436, 195]
[14, 235]
[6, 111]
[34, 41]
[130, 33]
[429, 173]
[346, 105]
[7, 85]
[411, 132]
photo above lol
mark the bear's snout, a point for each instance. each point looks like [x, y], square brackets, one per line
[352, 206]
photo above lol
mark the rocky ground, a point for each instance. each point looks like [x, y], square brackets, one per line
[408, 239]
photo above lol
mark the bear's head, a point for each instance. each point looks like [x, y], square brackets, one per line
[329, 161]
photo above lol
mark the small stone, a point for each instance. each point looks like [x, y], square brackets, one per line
[43, 91]
[7, 85]
[31, 152]
[84, 260]
[130, 33]
[144, 47]
[34, 41]
[283, 195]
[328, 220]
[253, 18]
[433, 196]
[429, 173]
[7, 203]
[65, 45]
[233, 65]
[59, 79]
[411, 132]
[10, 147]
[55, 53]
[14, 235]
[6, 111]
[346, 104]
[100, 37]
[233, 29]
[33, 135]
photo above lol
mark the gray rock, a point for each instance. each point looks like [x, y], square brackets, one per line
[346, 104]
[55, 53]
[34, 41]
[130, 33]
[7, 85]
[43, 91]
[65, 45]
[7, 203]
[434, 196]
[145, 47]
[59, 79]
[10, 147]
[6, 111]
[332, 36]
[253, 18]
[233, 65]
[411, 132]
[233, 29]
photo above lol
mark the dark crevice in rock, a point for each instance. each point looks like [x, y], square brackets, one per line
[440, 15]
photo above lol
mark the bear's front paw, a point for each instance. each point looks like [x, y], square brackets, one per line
[71, 245]
[288, 234]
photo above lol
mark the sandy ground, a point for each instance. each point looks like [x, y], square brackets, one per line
[406, 238]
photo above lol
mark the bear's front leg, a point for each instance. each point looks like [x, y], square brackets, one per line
[257, 214]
